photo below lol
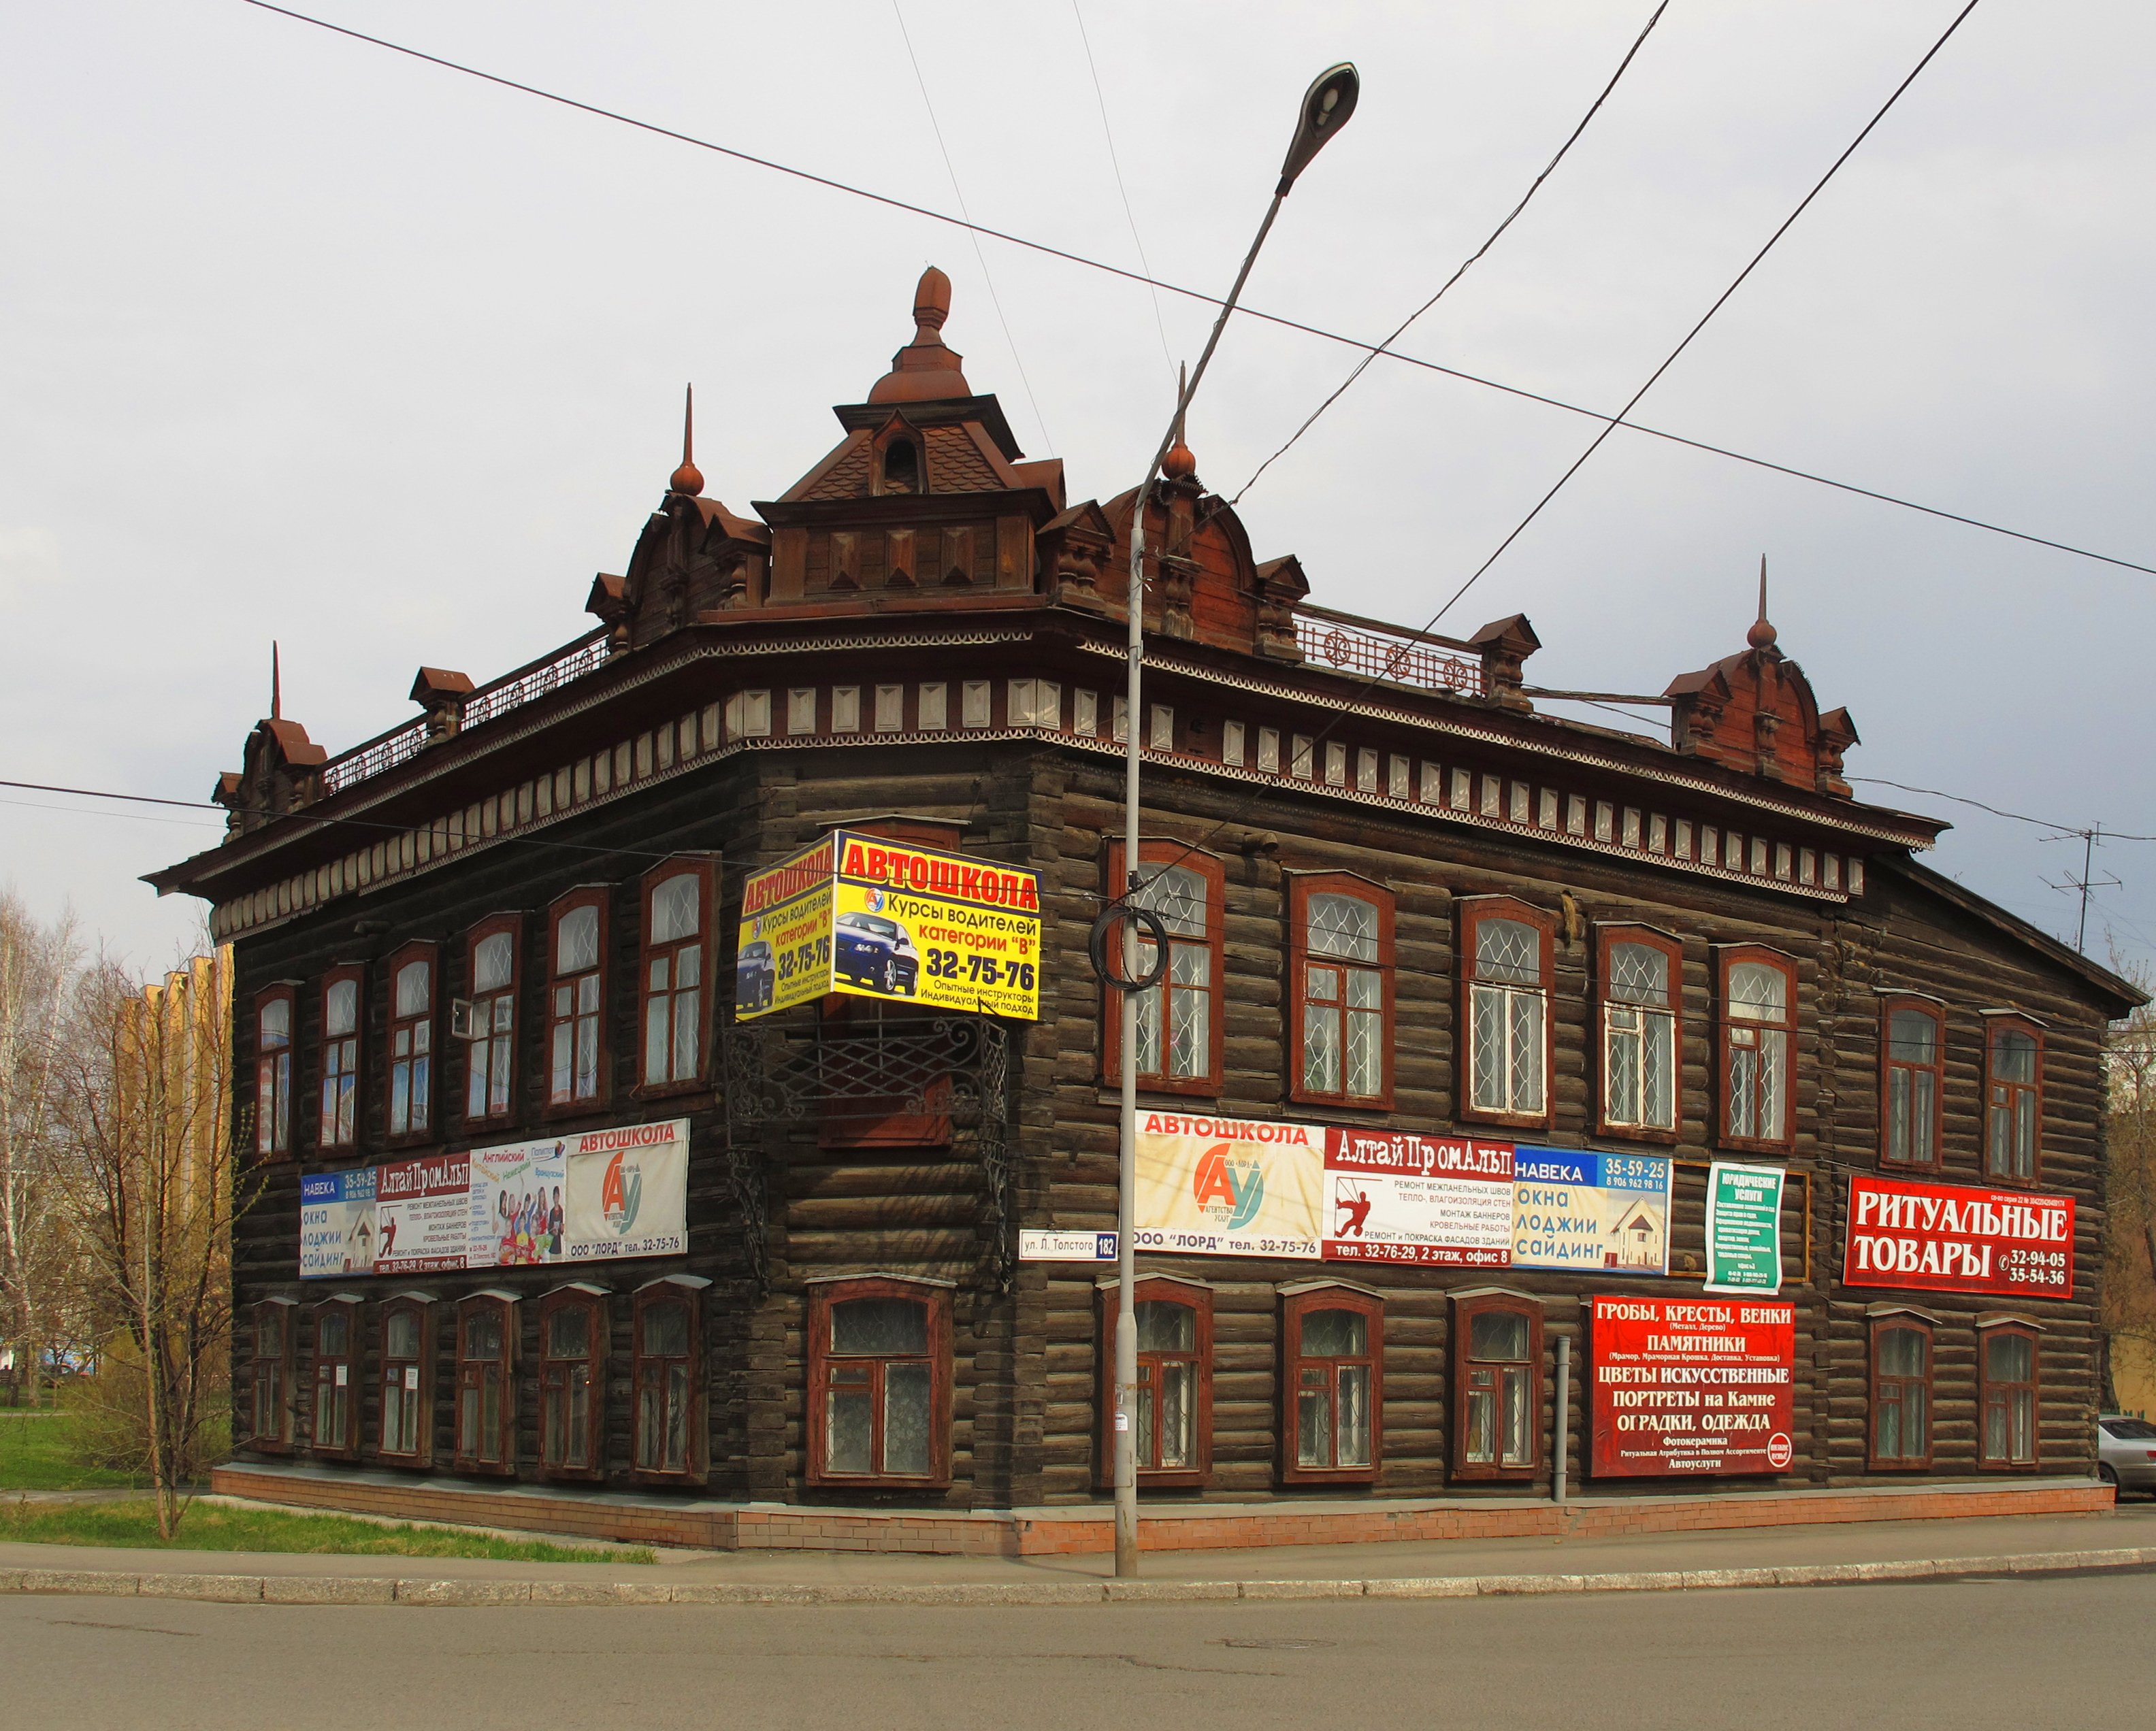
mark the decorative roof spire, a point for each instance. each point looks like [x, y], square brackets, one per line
[1179, 464]
[688, 478]
[1762, 634]
[925, 370]
[276, 685]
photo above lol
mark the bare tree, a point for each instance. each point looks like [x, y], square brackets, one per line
[2129, 1260]
[153, 1178]
[38, 966]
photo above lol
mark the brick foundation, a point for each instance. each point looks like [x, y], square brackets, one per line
[1084, 1530]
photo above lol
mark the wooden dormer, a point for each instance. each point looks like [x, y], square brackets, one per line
[281, 771]
[1754, 712]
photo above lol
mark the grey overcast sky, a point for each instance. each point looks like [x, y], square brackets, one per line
[301, 339]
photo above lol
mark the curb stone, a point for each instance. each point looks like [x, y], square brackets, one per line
[359, 1590]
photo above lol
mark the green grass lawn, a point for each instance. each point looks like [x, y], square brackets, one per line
[213, 1527]
[37, 1454]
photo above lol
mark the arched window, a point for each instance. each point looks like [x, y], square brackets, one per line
[1497, 1384]
[573, 1346]
[1914, 1064]
[901, 467]
[1640, 976]
[879, 1382]
[1333, 1350]
[2013, 1100]
[340, 1052]
[491, 977]
[273, 1072]
[269, 1369]
[336, 1381]
[1901, 1391]
[1179, 1021]
[2006, 1396]
[1171, 1423]
[576, 1001]
[1340, 990]
[487, 1383]
[412, 1042]
[676, 944]
[1758, 997]
[668, 1332]
[1506, 963]
[407, 1437]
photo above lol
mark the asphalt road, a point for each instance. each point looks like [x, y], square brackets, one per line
[1965, 1656]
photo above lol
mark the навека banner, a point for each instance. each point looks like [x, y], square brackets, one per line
[1692, 1385]
[1574, 1209]
[1951, 1237]
[1439, 1200]
[336, 1224]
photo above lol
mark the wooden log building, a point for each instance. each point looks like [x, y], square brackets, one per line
[1399, 898]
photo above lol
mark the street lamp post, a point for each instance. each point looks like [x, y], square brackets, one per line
[1325, 106]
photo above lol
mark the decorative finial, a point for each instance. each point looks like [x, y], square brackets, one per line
[1178, 464]
[688, 478]
[1762, 634]
[276, 684]
[926, 369]
[932, 299]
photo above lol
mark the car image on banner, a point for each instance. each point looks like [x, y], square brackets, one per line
[876, 952]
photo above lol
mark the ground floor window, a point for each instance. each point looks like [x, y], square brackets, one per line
[879, 1382]
[1497, 1380]
[1902, 1392]
[668, 1331]
[487, 1383]
[1333, 1348]
[1172, 1409]
[270, 1374]
[336, 1386]
[571, 1380]
[2006, 1393]
[407, 1437]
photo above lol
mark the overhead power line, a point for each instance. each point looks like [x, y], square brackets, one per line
[1284, 323]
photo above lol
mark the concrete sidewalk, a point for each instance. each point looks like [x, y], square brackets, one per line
[2125, 1537]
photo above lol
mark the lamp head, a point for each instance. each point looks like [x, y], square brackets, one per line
[1325, 106]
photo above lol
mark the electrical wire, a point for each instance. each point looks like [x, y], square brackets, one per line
[1108, 135]
[1284, 323]
[1385, 347]
[973, 233]
[2064, 829]
[1720, 301]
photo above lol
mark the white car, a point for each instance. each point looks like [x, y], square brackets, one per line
[2126, 1453]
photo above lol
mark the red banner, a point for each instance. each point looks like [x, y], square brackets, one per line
[1396, 1198]
[1692, 1385]
[1955, 1239]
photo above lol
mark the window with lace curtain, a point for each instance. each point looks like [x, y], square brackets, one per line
[1900, 1392]
[1497, 1384]
[1639, 977]
[1173, 1420]
[667, 1392]
[340, 1057]
[1340, 990]
[573, 1346]
[1178, 1020]
[273, 1072]
[487, 1383]
[1912, 1078]
[1758, 1037]
[576, 1033]
[491, 1062]
[879, 1382]
[1332, 1352]
[1505, 964]
[337, 1377]
[676, 945]
[2006, 1396]
[2013, 1100]
[412, 1042]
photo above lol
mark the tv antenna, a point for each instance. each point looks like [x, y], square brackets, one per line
[2091, 839]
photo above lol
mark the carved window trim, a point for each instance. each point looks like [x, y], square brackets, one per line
[407, 1384]
[665, 1381]
[1152, 1364]
[485, 1429]
[562, 1404]
[1912, 1092]
[1308, 1000]
[2009, 1103]
[490, 1060]
[412, 1067]
[333, 1429]
[585, 1008]
[1898, 1387]
[1737, 1037]
[869, 1373]
[2009, 1411]
[1324, 1374]
[1618, 1045]
[1488, 1384]
[1213, 875]
[661, 1011]
[1483, 993]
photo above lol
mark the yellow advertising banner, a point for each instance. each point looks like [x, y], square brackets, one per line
[887, 920]
[1229, 1186]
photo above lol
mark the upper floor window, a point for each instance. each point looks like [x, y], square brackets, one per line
[1171, 1420]
[1179, 1021]
[340, 1057]
[1340, 991]
[1497, 1384]
[668, 1419]
[1505, 962]
[576, 1008]
[1332, 1348]
[676, 928]
[487, 1387]
[273, 1071]
[336, 1388]
[571, 1380]
[879, 1382]
[1759, 995]
[492, 973]
[408, 1381]
[270, 1372]
[1914, 1078]
[412, 1041]
[1641, 973]
[1902, 1392]
[2006, 1394]
[901, 467]
[2014, 1099]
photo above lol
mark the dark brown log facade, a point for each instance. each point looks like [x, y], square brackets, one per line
[924, 626]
